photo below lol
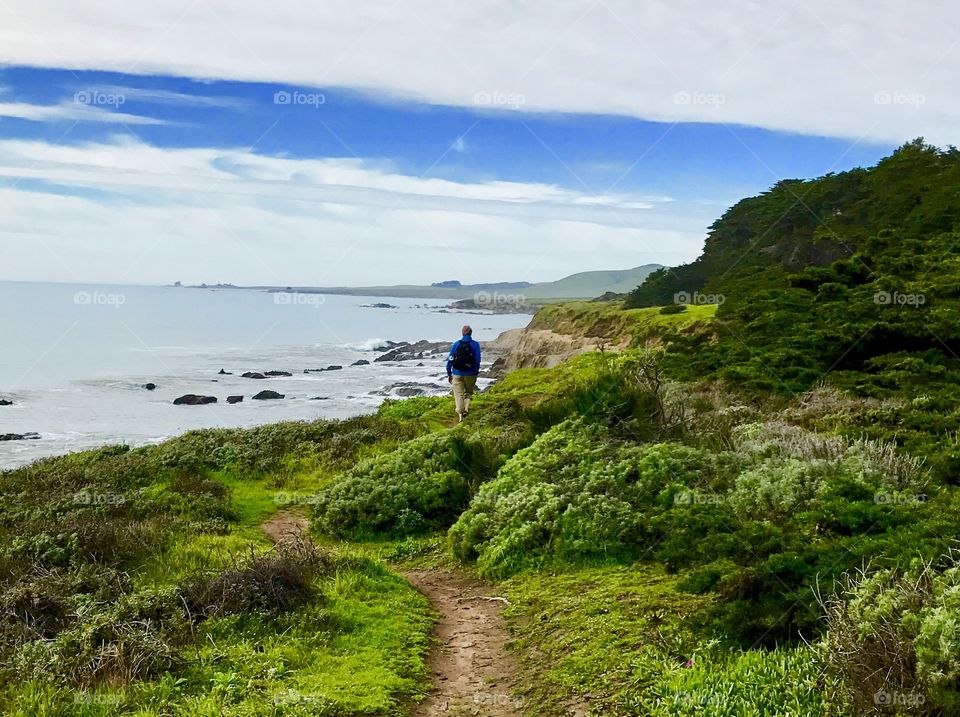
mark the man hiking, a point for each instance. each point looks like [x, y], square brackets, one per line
[463, 366]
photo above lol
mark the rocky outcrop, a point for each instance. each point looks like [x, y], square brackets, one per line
[252, 374]
[361, 362]
[406, 389]
[5, 402]
[419, 350]
[192, 399]
[19, 436]
[537, 348]
[234, 399]
[268, 396]
[150, 386]
[333, 367]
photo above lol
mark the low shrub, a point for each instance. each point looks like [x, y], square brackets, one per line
[272, 583]
[134, 638]
[893, 638]
[422, 485]
[575, 493]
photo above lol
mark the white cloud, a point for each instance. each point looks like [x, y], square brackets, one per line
[883, 70]
[71, 112]
[211, 215]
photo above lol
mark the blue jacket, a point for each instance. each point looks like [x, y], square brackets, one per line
[451, 371]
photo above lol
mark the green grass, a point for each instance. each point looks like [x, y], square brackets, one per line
[618, 641]
[360, 652]
[598, 631]
[609, 320]
[356, 650]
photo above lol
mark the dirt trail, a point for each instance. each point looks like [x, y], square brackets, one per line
[473, 674]
[285, 523]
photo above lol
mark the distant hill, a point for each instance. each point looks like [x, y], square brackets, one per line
[585, 285]
[589, 284]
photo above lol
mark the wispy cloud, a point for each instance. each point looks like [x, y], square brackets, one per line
[250, 218]
[75, 111]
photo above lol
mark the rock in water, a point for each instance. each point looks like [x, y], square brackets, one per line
[267, 395]
[321, 370]
[150, 386]
[420, 350]
[192, 399]
[277, 373]
[4, 402]
[406, 389]
[234, 399]
[252, 374]
[19, 436]
[361, 362]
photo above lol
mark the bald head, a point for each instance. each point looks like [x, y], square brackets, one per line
[467, 331]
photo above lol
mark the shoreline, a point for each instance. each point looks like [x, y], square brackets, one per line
[422, 353]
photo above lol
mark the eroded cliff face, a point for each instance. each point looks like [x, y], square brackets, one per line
[535, 348]
[543, 348]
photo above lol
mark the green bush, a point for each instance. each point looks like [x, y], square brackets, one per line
[134, 638]
[420, 486]
[575, 493]
[893, 638]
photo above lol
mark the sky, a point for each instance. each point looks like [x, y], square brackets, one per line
[338, 143]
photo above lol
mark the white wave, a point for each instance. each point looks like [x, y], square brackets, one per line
[367, 345]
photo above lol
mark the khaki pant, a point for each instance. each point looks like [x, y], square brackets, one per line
[463, 388]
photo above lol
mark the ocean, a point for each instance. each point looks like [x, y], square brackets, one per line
[75, 359]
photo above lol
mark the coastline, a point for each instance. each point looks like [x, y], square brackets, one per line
[403, 359]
